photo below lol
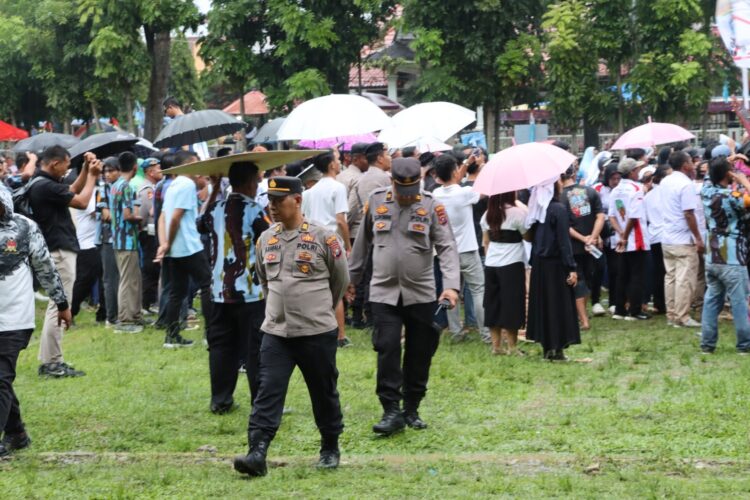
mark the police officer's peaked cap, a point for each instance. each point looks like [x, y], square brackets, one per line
[284, 186]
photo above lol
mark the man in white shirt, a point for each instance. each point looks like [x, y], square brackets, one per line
[655, 216]
[458, 201]
[628, 218]
[326, 204]
[681, 240]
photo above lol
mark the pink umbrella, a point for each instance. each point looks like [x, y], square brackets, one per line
[521, 167]
[346, 140]
[652, 134]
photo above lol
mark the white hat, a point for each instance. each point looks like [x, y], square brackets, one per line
[646, 171]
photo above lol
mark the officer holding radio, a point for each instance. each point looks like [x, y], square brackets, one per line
[403, 224]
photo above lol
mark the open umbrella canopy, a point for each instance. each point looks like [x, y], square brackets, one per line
[198, 126]
[652, 134]
[521, 167]
[102, 145]
[334, 115]
[10, 133]
[40, 142]
[266, 160]
[439, 120]
[268, 131]
[346, 142]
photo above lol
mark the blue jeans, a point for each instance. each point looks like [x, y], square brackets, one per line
[721, 281]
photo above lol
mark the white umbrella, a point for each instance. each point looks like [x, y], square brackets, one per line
[333, 115]
[427, 145]
[439, 120]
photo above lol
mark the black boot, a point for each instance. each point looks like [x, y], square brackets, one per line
[18, 441]
[254, 463]
[411, 416]
[392, 421]
[329, 452]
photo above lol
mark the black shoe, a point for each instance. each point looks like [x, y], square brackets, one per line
[708, 350]
[329, 452]
[642, 316]
[254, 463]
[4, 452]
[413, 420]
[329, 459]
[391, 423]
[13, 442]
[223, 409]
[176, 342]
[59, 370]
[743, 352]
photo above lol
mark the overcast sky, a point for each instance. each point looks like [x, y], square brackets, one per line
[203, 5]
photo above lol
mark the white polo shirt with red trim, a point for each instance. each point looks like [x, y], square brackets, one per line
[627, 202]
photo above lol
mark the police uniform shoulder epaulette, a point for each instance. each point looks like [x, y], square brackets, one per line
[380, 190]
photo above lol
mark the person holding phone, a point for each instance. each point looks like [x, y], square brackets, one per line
[402, 224]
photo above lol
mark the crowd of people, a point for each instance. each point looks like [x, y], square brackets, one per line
[397, 241]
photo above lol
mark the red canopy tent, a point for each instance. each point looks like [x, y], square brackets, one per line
[10, 133]
[255, 104]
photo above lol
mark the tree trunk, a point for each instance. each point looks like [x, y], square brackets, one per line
[66, 125]
[620, 104]
[590, 134]
[158, 48]
[129, 110]
[95, 114]
[489, 123]
[243, 132]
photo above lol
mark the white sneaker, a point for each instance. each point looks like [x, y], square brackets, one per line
[611, 309]
[617, 316]
[598, 310]
[690, 323]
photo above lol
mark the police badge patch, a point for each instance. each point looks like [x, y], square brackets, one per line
[333, 244]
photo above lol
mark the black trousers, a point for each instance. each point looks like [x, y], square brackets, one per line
[315, 356]
[613, 269]
[361, 306]
[88, 274]
[233, 333]
[600, 267]
[11, 344]
[630, 282]
[657, 256]
[409, 383]
[149, 269]
[180, 270]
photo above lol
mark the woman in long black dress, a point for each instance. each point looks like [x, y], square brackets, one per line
[552, 319]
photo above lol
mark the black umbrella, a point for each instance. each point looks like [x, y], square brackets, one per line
[267, 132]
[40, 142]
[196, 127]
[102, 145]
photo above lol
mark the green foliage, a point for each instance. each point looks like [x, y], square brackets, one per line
[14, 51]
[184, 83]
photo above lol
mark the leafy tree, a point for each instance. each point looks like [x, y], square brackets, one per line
[291, 49]
[476, 53]
[14, 78]
[184, 83]
[158, 19]
[678, 66]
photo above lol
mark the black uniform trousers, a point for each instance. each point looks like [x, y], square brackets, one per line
[180, 270]
[11, 344]
[315, 355]
[88, 273]
[150, 270]
[421, 343]
[233, 333]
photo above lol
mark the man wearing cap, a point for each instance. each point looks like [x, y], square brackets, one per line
[379, 164]
[682, 240]
[627, 215]
[303, 270]
[147, 234]
[233, 226]
[403, 224]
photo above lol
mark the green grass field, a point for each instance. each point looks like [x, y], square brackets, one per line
[649, 417]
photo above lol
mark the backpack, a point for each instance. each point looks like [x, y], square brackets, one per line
[21, 201]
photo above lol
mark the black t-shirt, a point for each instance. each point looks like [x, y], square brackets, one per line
[583, 204]
[49, 199]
